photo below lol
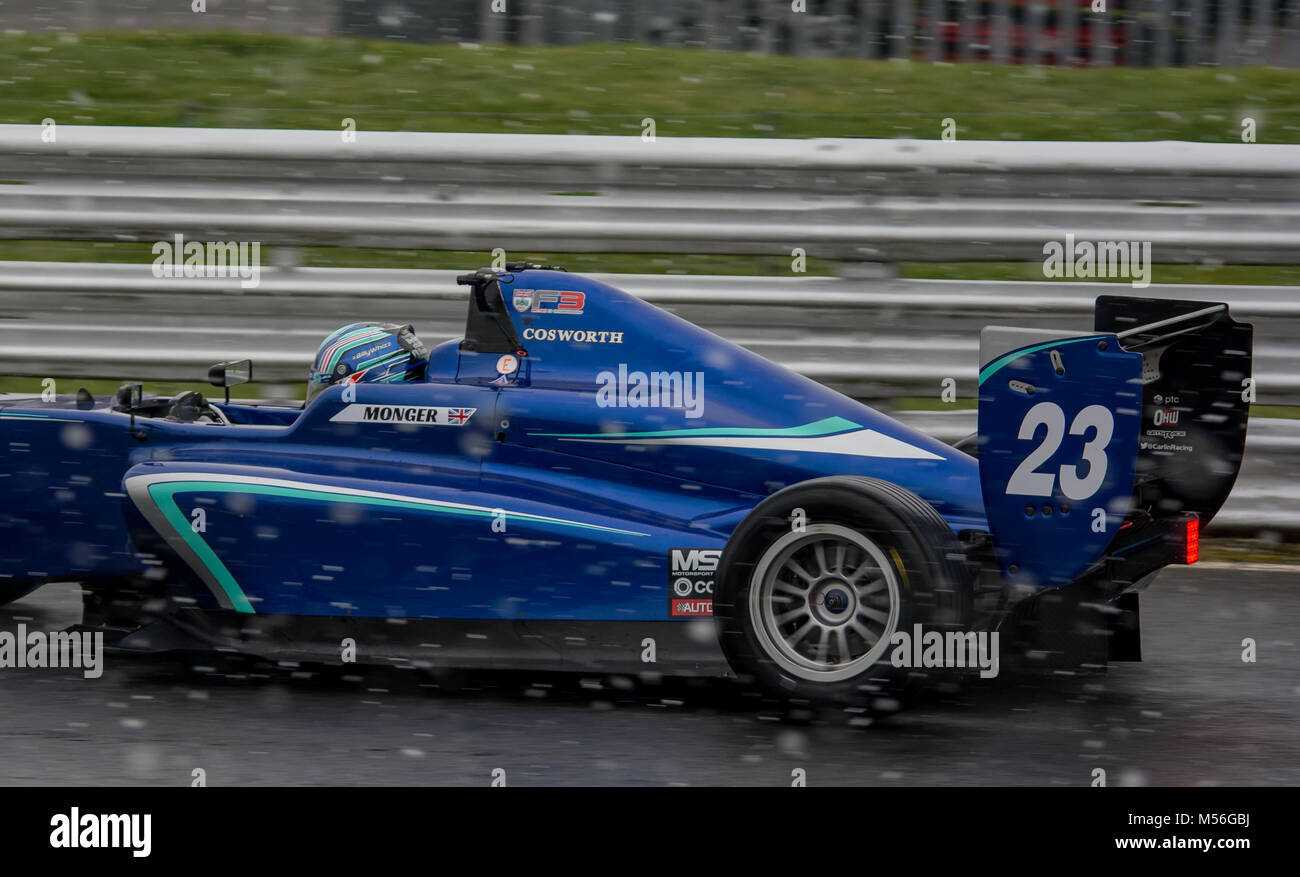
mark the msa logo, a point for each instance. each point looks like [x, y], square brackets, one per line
[690, 581]
[550, 301]
[696, 559]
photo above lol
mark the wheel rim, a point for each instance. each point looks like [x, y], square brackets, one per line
[824, 602]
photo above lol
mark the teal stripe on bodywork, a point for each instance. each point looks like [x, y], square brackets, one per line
[167, 490]
[995, 365]
[826, 426]
[21, 415]
[171, 511]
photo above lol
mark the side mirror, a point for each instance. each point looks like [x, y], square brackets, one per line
[230, 374]
[129, 397]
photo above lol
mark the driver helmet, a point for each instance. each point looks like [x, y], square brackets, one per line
[384, 352]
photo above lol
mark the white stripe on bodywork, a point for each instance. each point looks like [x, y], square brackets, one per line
[859, 443]
[143, 482]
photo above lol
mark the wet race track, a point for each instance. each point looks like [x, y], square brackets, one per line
[1192, 713]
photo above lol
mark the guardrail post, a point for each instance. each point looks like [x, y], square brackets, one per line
[1261, 41]
[734, 23]
[866, 270]
[286, 257]
[1067, 46]
[765, 39]
[603, 23]
[869, 28]
[797, 25]
[970, 17]
[933, 32]
[1035, 16]
[1228, 54]
[530, 22]
[1162, 36]
[1291, 36]
[490, 23]
[839, 35]
[1101, 52]
[900, 32]
[1192, 53]
[1000, 52]
[1135, 42]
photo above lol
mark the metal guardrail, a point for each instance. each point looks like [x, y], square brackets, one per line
[863, 200]
[874, 339]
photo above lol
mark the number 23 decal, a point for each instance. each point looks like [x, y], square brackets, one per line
[1028, 481]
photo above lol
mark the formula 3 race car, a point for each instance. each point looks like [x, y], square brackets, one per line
[587, 482]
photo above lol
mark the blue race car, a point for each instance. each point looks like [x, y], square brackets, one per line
[585, 481]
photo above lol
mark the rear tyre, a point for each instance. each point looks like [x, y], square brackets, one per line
[818, 578]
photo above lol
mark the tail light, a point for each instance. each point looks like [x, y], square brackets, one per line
[1193, 541]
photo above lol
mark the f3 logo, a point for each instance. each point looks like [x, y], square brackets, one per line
[558, 301]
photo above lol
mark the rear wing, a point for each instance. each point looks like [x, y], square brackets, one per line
[1083, 436]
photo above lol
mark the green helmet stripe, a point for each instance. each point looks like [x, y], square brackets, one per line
[351, 341]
